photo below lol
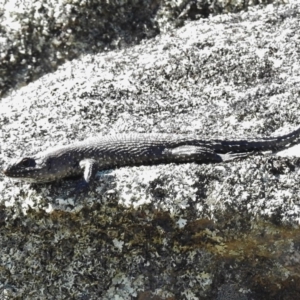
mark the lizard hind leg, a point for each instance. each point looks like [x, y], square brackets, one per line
[232, 156]
[202, 154]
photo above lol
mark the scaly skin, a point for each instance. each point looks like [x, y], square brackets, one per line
[131, 150]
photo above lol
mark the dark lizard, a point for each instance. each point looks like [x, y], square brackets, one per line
[89, 156]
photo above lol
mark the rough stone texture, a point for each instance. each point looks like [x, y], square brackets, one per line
[38, 36]
[224, 231]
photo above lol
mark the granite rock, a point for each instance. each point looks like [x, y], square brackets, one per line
[190, 231]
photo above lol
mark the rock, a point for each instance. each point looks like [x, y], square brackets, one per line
[171, 231]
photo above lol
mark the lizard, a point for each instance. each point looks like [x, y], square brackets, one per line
[102, 153]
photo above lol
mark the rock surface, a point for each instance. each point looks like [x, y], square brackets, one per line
[36, 37]
[222, 231]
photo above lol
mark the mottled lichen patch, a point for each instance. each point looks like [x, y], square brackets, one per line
[68, 248]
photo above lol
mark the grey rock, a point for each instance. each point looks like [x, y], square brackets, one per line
[177, 231]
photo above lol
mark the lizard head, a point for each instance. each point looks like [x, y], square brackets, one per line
[43, 167]
[28, 169]
[36, 168]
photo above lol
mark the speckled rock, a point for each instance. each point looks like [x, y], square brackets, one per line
[38, 36]
[214, 231]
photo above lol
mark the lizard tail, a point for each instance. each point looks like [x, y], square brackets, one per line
[258, 144]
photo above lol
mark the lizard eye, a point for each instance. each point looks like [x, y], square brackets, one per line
[27, 162]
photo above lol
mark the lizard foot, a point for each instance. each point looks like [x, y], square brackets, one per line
[233, 156]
